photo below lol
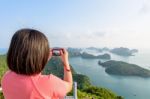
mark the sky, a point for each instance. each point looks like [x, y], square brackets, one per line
[79, 23]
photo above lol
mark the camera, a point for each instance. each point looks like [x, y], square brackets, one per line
[56, 51]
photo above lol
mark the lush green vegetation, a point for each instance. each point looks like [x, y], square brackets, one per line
[3, 69]
[82, 80]
[124, 69]
[93, 92]
[85, 89]
[3, 66]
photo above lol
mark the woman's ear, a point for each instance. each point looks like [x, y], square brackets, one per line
[50, 55]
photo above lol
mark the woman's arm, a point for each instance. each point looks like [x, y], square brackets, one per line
[67, 70]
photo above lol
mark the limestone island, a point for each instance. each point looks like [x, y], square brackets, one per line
[91, 56]
[94, 48]
[124, 51]
[74, 52]
[124, 69]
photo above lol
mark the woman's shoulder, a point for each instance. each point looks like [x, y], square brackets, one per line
[51, 79]
[7, 73]
[6, 77]
[48, 77]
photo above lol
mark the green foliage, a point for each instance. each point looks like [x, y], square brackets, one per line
[82, 81]
[84, 95]
[3, 69]
[93, 92]
[3, 66]
[1, 96]
[100, 93]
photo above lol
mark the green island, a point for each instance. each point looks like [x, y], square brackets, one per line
[96, 49]
[124, 51]
[90, 56]
[85, 89]
[124, 69]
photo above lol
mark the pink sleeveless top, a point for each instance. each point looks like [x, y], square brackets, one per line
[16, 86]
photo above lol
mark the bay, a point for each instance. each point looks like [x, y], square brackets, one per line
[128, 87]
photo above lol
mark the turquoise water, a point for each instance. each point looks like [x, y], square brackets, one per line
[128, 87]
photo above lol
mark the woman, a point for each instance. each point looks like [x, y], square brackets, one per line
[27, 56]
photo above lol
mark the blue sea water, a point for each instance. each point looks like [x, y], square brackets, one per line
[128, 87]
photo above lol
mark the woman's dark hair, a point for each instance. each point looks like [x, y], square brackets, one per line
[28, 52]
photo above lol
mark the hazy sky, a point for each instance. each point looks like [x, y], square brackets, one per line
[79, 23]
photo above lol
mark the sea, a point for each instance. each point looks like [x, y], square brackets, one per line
[128, 87]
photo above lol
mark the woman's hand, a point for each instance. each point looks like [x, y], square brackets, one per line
[64, 57]
[67, 71]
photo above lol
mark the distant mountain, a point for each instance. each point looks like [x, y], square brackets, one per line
[91, 56]
[74, 52]
[123, 51]
[124, 69]
[105, 49]
[94, 48]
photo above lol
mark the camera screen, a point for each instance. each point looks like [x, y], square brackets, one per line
[56, 53]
